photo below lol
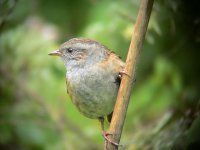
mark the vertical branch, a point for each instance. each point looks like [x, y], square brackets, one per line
[124, 93]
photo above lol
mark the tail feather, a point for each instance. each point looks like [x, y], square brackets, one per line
[109, 117]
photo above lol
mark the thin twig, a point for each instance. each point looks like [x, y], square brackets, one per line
[124, 93]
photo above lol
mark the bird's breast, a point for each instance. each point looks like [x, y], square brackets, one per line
[93, 91]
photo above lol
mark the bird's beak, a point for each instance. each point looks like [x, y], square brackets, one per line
[56, 53]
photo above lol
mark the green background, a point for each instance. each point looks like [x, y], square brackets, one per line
[35, 111]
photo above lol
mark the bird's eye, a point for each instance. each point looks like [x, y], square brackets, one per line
[69, 50]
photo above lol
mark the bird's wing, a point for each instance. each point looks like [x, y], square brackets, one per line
[116, 65]
[115, 62]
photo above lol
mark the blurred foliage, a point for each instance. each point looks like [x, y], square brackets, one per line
[36, 112]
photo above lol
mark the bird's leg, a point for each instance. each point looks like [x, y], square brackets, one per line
[105, 134]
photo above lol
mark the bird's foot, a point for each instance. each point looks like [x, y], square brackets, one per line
[123, 72]
[105, 135]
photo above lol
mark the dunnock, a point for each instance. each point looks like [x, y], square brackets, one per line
[93, 77]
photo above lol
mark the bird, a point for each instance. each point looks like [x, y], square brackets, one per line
[93, 75]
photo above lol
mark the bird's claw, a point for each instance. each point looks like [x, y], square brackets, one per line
[105, 135]
[122, 72]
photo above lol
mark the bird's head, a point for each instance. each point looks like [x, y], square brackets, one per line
[79, 52]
